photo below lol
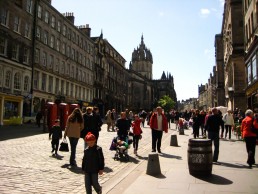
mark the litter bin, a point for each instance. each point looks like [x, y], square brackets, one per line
[200, 156]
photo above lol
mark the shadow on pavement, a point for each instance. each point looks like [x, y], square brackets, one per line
[164, 155]
[233, 165]
[108, 170]
[160, 176]
[18, 131]
[215, 179]
[74, 169]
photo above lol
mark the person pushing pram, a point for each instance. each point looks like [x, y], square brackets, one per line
[122, 140]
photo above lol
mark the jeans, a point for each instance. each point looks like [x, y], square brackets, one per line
[136, 141]
[250, 148]
[228, 131]
[73, 145]
[214, 136]
[91, 179]
[156, 139]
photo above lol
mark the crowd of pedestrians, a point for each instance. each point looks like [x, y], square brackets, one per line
[86, 124]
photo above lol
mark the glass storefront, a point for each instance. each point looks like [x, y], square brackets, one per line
[10, 109]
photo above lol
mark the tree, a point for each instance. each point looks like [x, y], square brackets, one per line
[166, 103]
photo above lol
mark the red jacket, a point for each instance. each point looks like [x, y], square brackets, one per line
[246, 127]
[137, 127]
[154, 122]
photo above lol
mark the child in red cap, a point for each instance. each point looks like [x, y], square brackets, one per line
[92, 164]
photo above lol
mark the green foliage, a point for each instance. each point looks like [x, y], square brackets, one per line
[166, 103]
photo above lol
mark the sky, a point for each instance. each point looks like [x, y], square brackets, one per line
[179, 33]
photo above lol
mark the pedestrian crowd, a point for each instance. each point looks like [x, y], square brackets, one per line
[86, 124]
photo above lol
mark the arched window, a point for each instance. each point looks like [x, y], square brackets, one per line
[8, 79]
[26, 83]
[17, 81]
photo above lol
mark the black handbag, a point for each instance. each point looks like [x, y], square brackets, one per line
[64, 146]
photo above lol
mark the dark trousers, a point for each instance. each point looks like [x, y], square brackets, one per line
[136, 141]
[73, 145]
[156, 139]
[214, 136]
[250, 143]
[196, 131]
[55, 145]
[91, 179]
[228, 131]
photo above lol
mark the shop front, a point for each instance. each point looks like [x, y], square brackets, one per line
[11, 109]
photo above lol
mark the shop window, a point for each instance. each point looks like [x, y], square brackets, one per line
[10, 109]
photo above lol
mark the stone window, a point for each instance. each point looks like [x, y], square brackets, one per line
[26, 83]
[3, 46]
[16, 25]
[8, 76]
[39, 11]
[26, 55]
[17, 81]
[15, 51]
[5, 17]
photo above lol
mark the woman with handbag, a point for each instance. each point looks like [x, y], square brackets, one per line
[73, 129]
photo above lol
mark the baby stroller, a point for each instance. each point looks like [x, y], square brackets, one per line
[121, 146]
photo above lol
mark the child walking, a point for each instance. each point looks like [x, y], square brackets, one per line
[137, 131]
[92, 164]
[56, 134]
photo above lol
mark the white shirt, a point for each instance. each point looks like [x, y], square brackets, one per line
[159, 119]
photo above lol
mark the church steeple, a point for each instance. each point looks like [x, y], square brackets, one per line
[142, 60]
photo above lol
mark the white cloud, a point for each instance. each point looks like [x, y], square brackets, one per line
[205, 11]
[222, 2]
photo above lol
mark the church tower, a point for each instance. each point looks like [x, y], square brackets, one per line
[142, 60]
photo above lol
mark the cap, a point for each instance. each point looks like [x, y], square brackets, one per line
[89, 137]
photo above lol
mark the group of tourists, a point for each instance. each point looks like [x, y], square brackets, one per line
[219, 126]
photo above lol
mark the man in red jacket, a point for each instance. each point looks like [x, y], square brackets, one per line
[158, 124]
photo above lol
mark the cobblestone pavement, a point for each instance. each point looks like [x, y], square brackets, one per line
[27, 165]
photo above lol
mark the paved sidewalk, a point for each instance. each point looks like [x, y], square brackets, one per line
[231, 176]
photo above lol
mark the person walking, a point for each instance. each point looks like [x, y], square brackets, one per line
[229, 123]
[56, 134]
[137, 131]
[92, 123]
[92, 164]
[213, 124]
[114, 118]
[108, 120]
[73, 129]
[196, 123]
[158, 124]
[38, 118]
[123, 127]
[249, 136]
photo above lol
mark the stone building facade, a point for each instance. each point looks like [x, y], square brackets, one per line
[233, 46]
[44, 58]
[16, 50]
[250, 11]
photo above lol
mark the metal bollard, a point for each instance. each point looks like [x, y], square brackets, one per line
[173, 140]
[153, 167]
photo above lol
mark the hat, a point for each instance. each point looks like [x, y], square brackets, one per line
[89, 137]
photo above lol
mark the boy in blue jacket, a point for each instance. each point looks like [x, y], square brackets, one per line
[92, 164]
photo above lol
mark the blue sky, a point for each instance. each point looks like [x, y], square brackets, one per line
[179, 33]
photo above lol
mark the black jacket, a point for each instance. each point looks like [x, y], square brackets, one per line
[123, 126]
[56, 132]
[93, 159]
[213, 123]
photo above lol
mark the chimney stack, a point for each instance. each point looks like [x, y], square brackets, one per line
[86, 29]
[69, 16]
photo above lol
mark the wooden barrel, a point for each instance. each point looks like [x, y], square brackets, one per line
[200, 156]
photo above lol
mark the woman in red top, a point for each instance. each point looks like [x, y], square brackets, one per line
[249, 136]
[136, 125]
